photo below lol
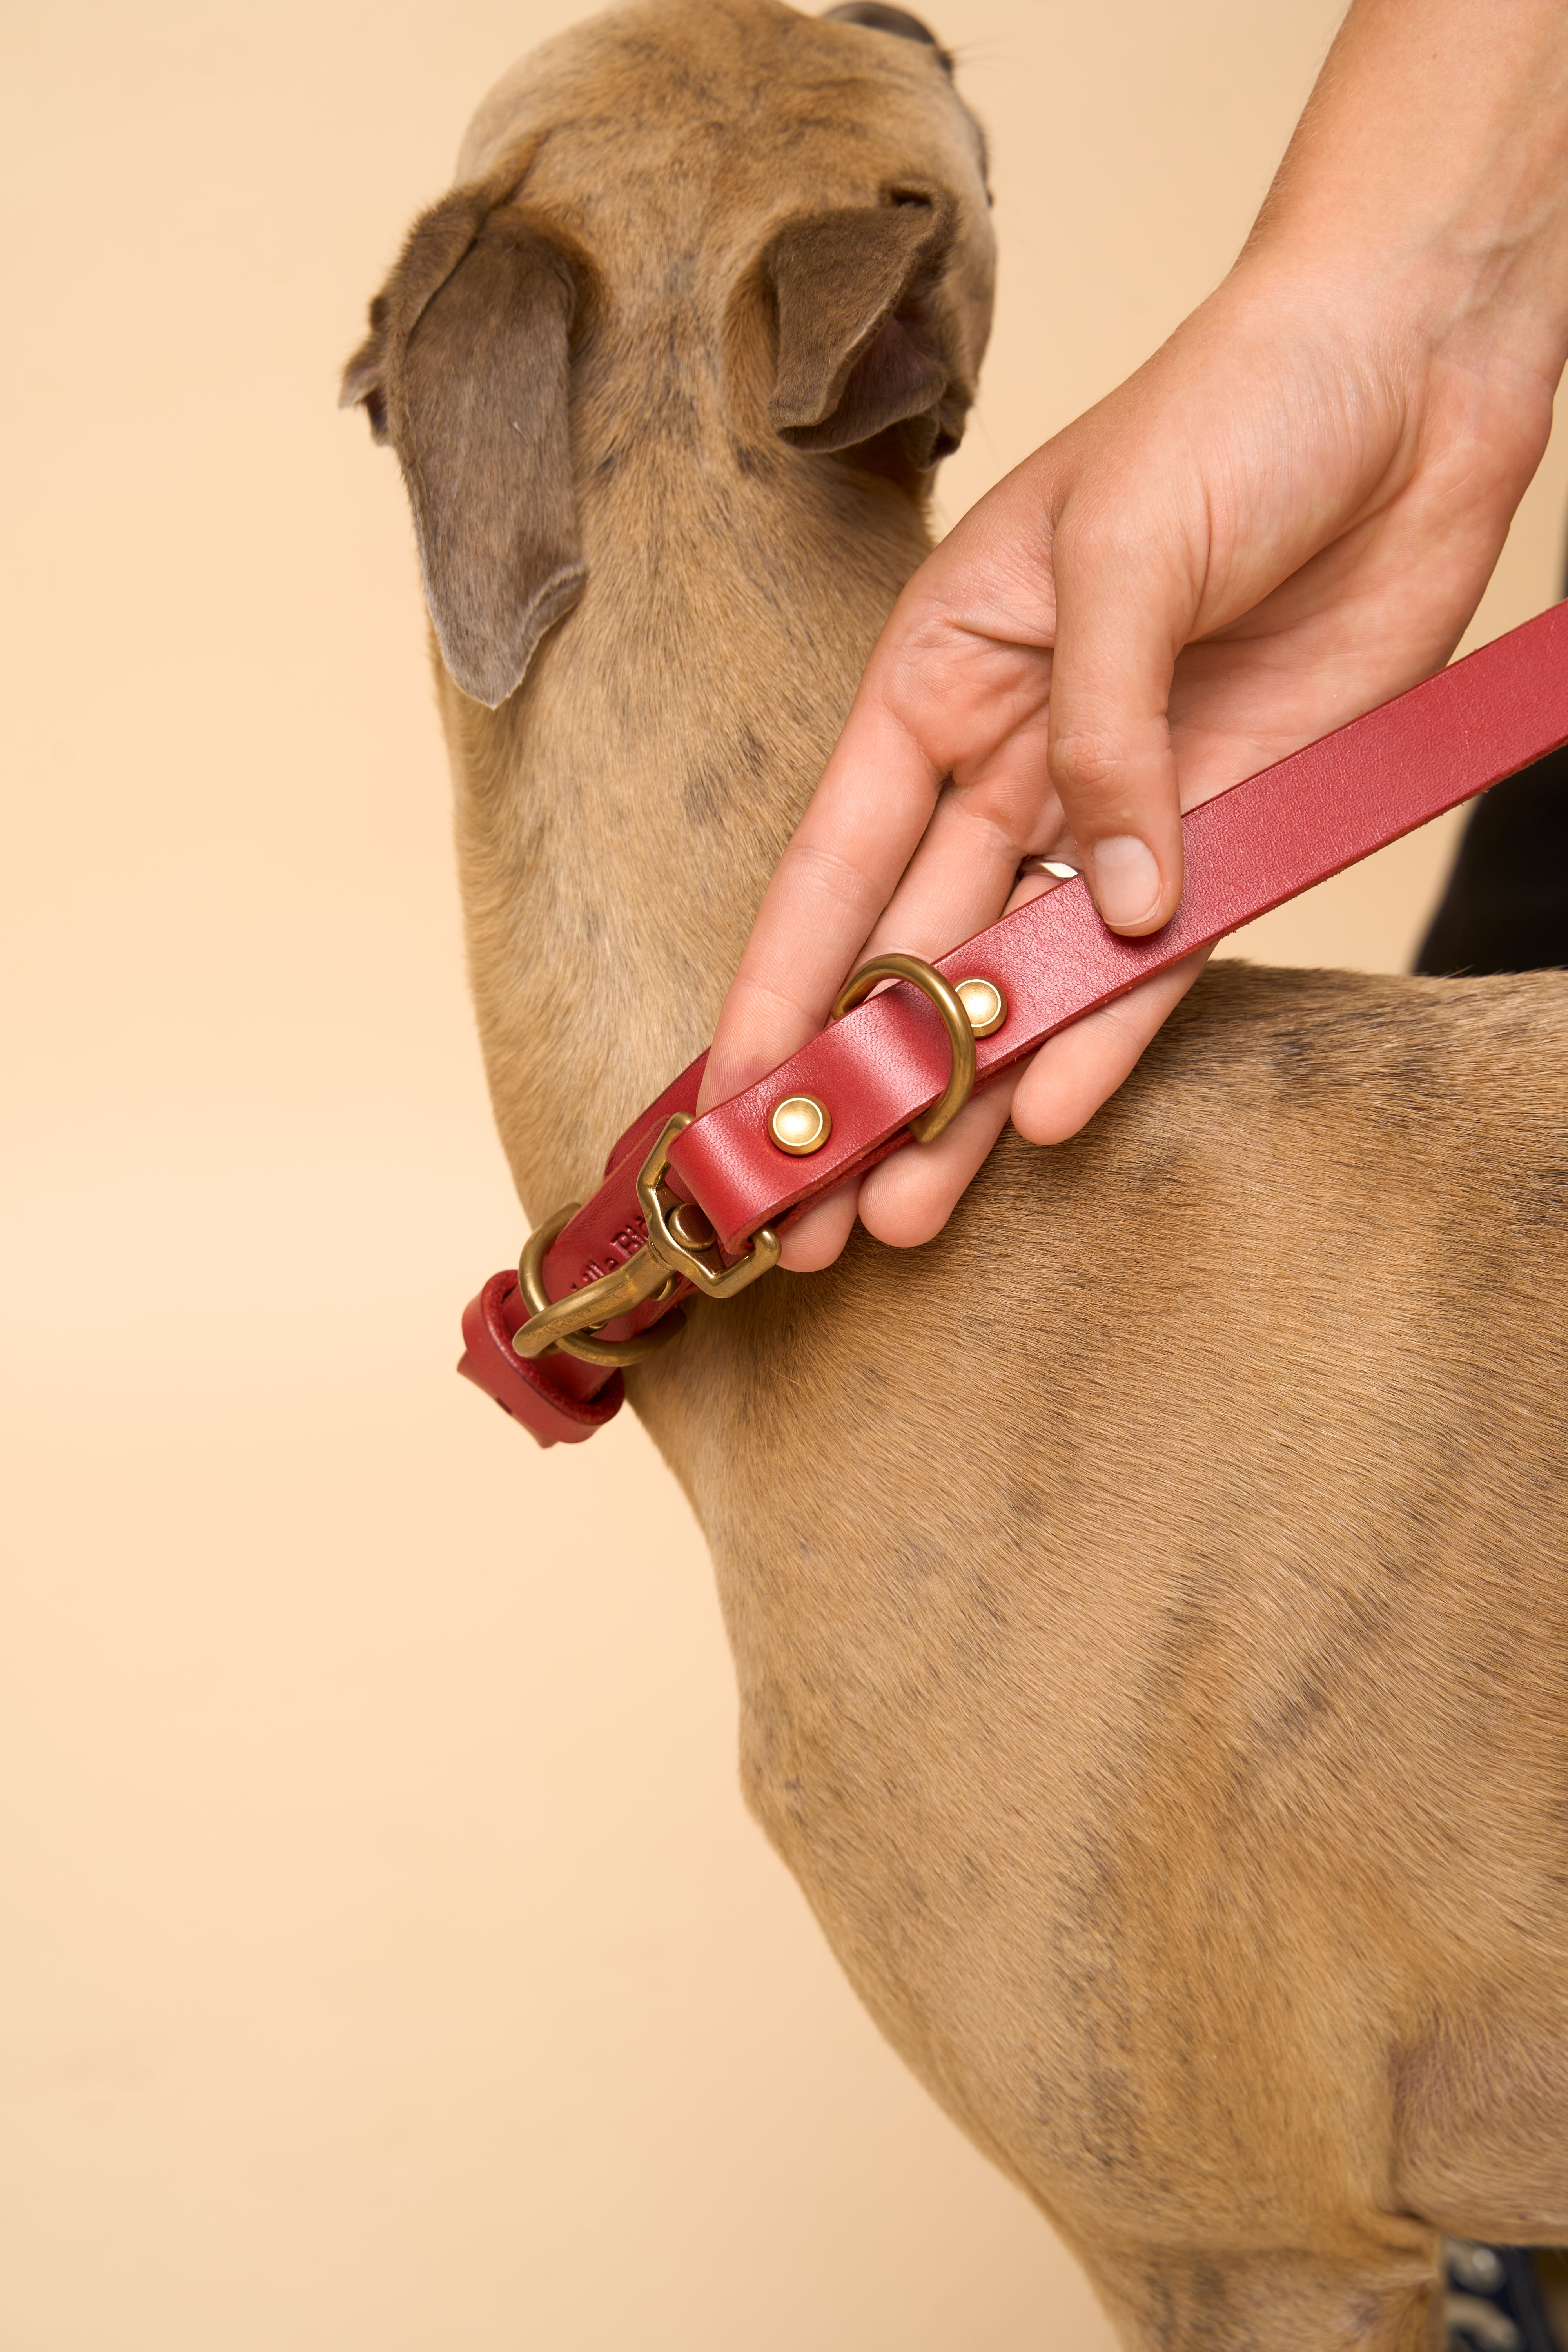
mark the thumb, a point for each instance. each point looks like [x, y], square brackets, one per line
[1117, 638]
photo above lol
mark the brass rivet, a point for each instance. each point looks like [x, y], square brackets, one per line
[689, 1226]
[800, 1124]
[984, 1004]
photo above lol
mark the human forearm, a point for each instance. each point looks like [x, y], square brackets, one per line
[1433, 159]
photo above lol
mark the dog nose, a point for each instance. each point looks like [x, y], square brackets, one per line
[881, 19]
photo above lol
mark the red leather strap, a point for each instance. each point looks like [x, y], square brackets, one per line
[1251, 849]
[533, 1393]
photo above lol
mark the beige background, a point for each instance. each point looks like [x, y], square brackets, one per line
[388, 1964]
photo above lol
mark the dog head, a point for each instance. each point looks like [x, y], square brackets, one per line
[690, 236]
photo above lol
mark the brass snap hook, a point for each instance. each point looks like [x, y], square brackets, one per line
[566, 1323]
[955, 1019]
[670, 1255]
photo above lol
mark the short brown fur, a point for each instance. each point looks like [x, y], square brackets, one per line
[1147, 1599]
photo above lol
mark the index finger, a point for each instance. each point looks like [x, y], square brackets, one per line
[863, 825]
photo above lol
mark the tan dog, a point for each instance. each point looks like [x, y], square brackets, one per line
[1148, 1599]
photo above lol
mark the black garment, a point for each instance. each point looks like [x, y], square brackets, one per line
[1506, 906]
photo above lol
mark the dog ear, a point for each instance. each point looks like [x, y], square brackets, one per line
[465, 372]
[860, 349]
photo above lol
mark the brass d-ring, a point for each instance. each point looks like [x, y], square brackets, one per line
[955, 1019]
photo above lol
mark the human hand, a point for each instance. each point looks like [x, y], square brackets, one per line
[1286, 517]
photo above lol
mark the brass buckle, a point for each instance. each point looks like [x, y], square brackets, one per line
[653, 1272]
[955, 1019]
[761, 1258]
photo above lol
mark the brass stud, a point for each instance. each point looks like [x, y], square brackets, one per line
[800, 1125]
[984, 1004]
[689, 1226]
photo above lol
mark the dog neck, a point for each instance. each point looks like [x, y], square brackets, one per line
[619, 818]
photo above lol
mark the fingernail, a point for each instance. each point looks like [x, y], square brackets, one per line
[1126, 880]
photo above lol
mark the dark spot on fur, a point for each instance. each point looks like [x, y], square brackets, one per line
[1299, 1713]
[703, 800]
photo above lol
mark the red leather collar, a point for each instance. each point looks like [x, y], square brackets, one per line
[1251, 849]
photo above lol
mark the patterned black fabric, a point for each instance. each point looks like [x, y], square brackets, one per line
[1494, 2301]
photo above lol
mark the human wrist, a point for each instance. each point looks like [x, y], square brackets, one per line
[1417, 295]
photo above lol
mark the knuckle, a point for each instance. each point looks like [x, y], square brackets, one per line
[1099, 539]
[1085, 764]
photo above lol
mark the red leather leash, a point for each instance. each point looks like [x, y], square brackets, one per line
[883, 1065]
